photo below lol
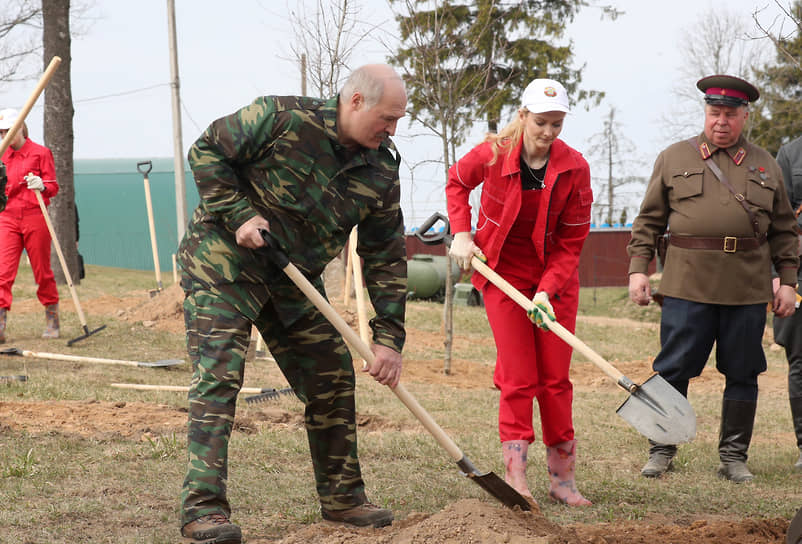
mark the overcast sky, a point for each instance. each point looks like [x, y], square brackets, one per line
[230, 55]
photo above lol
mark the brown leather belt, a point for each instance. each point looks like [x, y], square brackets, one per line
[727, 244]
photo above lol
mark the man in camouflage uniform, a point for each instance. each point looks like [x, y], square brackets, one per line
[724, 204]
[307, 170]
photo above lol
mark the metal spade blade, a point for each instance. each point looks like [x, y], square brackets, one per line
[659, 412]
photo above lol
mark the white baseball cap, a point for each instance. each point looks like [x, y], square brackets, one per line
[544, 95]
[7, 118]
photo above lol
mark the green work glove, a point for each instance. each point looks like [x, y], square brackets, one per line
[542, 304]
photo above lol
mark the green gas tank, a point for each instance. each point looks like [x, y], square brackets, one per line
[426, 276]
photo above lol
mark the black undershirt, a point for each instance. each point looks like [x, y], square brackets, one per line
[530, 178]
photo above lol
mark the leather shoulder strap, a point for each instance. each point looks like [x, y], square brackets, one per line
[726, 183]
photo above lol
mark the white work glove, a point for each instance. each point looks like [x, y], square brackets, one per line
[542, 304]
[35, 183]
[463, 249]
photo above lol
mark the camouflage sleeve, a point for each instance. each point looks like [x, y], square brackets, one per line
[229, 142]
[383, 249]
[3, 197]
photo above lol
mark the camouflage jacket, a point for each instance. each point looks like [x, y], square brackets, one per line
[280, 158]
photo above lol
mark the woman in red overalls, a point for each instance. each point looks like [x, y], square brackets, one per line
[29, 167]
[533, 220]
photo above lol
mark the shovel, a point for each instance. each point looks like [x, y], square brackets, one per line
[654, 408]
[794, 534]
[490, 482]
[80, 359]
[67, 275]
[144, 168]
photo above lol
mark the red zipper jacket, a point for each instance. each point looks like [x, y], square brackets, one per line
[563, 220]
[33, 158]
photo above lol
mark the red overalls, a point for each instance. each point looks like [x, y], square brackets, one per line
[533, 239]
[22, 225]
[530, 362]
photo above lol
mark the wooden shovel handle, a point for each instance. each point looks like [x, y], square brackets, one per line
[40, 86]
[353, 338]
[553, 326]
[152, 228]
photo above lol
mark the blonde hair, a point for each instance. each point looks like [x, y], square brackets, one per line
[506, 139]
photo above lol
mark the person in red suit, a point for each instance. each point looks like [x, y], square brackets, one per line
[533, 220]
[29, 167]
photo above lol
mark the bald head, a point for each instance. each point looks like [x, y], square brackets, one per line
[372, 101]
[370, 81]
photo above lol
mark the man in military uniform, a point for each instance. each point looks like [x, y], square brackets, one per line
[723, 203]
[308, 171]
[788, 331]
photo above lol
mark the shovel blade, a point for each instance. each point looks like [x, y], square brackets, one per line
[659, 412]
[163, 363]
[494, 485]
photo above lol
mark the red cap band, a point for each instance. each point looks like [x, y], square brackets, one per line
[727, 92]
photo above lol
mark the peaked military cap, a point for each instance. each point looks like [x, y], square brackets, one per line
[721, 90]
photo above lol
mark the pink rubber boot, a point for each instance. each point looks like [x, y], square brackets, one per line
[515, 464]
[561, 459]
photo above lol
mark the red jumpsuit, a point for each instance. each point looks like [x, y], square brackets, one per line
[533, 239]
[22, 225]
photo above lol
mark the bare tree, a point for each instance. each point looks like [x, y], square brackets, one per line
[718, 43]
[782, 30]
[443, 86]
[614, 151]
[325, 40]
[17, 41]
[58, 133]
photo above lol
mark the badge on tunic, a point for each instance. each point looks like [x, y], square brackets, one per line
[738, 158]
[704, 150]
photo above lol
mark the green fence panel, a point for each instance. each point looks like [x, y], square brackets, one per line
[110, 198]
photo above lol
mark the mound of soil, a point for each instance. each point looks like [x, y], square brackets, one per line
[472, 521]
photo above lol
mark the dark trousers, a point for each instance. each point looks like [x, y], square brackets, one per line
[788, 334]
[687, 333]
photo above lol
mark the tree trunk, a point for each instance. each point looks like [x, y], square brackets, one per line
[448, 303]
[58, 134]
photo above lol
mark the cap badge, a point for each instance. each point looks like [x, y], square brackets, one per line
[550, 91]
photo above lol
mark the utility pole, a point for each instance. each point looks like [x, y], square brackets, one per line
[178, 146]
[303, 74]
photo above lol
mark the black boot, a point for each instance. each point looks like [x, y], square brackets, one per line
[660, 456]
[737, 421]
[796, 415]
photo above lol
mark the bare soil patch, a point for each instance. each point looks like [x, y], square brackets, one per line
[466, 521]
[472, 521]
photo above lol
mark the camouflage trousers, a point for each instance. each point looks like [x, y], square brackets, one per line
[318, 366]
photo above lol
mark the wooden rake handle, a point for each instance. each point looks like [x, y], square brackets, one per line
[61, 259]
[553, 326]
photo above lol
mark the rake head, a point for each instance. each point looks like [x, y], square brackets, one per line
[268, 395]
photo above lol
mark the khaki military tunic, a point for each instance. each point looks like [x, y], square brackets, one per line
[685, 196]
